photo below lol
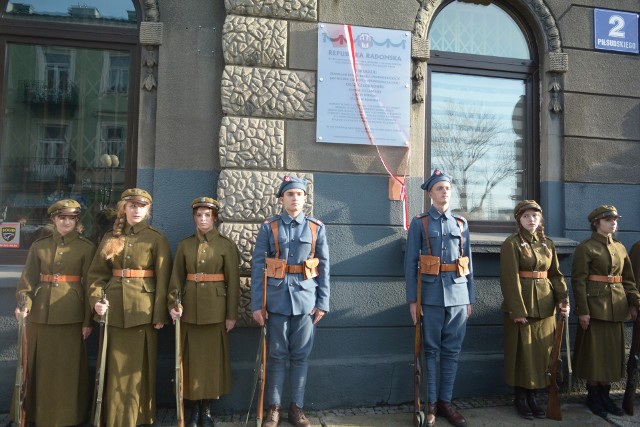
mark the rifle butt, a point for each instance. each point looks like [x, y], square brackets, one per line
[627, 400]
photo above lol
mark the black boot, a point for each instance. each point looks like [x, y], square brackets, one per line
[194, 419]
[521, 403]
[608, 403]
[594, 400]
[206, 419]
[536, 409]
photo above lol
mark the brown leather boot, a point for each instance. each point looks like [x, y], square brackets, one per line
[296, 416]
[521, 403]
[273, 416]
[431, 414]
[447, 410]
[536, 409]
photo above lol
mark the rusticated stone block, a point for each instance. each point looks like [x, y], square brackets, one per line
[249, 196]
[301, 10]
[251, 143]
[558, 62]
[244, 304]
[244, 235]
[268, 92]
[254, 41]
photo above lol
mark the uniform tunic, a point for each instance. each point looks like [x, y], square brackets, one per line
[634, 256]
[527, 347]
[135, 304]
[57, 358]
[206, 305]
[290, 329]
[600, 350]
[444, 296]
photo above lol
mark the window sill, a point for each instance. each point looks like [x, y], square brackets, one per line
[489, 243]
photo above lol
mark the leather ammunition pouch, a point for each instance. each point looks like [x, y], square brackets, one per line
[462, 264]
[430, 264]
[310, 268]
[276, 267]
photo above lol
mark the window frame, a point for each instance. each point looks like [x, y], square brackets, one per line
[73, 35]
[490, 66]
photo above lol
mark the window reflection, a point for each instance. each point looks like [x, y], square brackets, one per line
[100, 12]
[477, 134]
[64, 132]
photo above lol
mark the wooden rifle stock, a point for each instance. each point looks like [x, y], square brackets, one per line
[20, 410]
[100, 366]
[178, 379]
[262, 373]
[419, 418]
[632, 369]
[554, 410]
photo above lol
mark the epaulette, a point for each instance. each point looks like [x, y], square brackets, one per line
[271, 219]
[459, 217]
[85, 240]
[43, 237]
[420, 215]
[154, 229]
[316, 220]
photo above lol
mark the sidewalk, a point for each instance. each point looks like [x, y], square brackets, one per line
[498, 412]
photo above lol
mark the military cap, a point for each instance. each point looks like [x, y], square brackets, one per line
[526, 205]
[435, 177]
[206, 202]
[64, 207]
[604, 211]
[289, 182]
[137, 195]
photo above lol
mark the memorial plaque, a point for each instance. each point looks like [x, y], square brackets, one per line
[364, 85]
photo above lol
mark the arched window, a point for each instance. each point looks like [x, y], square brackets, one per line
[69, 95]
[482, 89]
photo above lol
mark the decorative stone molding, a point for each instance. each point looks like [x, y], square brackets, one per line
[299, 10]
[249, 196]
[267, 92]
[244, 235]
[420, 49]
[558, 62]
[245, 317]
[555, 103]
[151, 30]
[254, 41]
[251, 143]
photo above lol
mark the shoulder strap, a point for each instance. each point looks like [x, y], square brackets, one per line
[274, 229]
[425, 224]
[314, 234]
[461, 226]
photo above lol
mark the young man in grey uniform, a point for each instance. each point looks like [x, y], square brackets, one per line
[297, 257]
[448, 291]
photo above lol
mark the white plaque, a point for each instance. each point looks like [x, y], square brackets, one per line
[375, 110]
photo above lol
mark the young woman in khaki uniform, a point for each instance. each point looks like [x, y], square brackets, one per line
[132, 267]
[206, 277]
[532, 287]
[605, 296]
[52, 292]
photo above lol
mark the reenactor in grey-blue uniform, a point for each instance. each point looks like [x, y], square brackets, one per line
[448, 291]
[297, 258]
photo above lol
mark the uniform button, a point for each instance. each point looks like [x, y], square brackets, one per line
[290, 255]
[127, 281]
[58, 263]
[55, 285]
[61, 243]
[204, 250]
[293, 240]
[202, 262]
[59, 253]
[201, 285]
[130, 244]
[128, 256]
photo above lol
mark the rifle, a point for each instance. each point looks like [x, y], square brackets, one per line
[260, 369]
[632, 369]
[101, 365]
[419, 418]
[179, 379]
[554, 411]
[568, 343]
[21, 371]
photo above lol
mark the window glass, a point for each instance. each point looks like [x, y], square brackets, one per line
[94, 12]
[479, 30]
[478, 136]
[64, 132]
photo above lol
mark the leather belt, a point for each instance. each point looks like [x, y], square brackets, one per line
[295, 269]
[204, 277]
[606, 279]
[127, 272]
[533, 274]
[55, 278]
[448, 267]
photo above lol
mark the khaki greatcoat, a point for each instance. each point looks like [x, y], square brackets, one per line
[206, 306]
[57, 356]
[135, 305]
[527, 347]
[599, 351]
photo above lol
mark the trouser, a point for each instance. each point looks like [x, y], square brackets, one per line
[444, 329]
[289, 338]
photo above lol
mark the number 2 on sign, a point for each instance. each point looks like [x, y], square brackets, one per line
[618, 24]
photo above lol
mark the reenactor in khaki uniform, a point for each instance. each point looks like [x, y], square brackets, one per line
[532, 287]
[206, 278]
[605, 295]
[634, 256]
[52, 290]
[132, 267]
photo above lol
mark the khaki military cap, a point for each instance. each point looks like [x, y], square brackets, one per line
[206, 202]
[137, 195]
[526, 205]
[604, 211]
[64, 207]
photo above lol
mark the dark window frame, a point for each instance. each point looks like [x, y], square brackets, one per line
[25, 31]
[490, 66]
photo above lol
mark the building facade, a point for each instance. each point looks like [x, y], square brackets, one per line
[184, 99]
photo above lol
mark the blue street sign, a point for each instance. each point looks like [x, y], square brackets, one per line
[614, 30]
